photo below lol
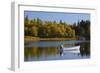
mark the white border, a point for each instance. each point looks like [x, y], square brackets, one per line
[18, 33]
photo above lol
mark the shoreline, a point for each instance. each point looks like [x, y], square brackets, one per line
[30, 39]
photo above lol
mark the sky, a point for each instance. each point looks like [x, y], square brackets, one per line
[69, 18]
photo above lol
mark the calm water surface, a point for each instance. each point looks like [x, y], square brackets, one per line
[49, 50]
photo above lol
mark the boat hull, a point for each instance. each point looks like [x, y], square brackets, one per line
[75, 49]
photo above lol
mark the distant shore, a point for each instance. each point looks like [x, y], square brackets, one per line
[30, 39]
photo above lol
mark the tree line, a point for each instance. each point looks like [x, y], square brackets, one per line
[52, 29]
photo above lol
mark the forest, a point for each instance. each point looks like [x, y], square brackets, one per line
[52, 29]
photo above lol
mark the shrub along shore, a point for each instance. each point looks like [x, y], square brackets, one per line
[30, 39]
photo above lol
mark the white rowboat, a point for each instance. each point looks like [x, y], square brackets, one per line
[74, 49]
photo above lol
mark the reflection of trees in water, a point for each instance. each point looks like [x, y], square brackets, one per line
[85, 49]
[39, 52]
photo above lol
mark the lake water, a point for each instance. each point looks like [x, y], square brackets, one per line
[49, 50]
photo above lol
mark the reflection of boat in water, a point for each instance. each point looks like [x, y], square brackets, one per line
[74, 49]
